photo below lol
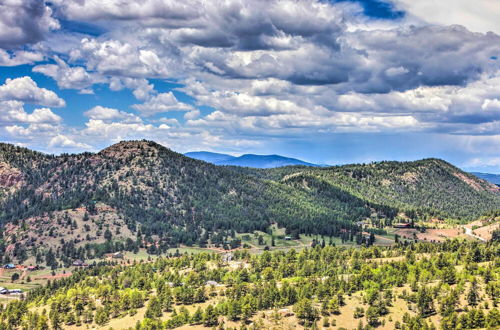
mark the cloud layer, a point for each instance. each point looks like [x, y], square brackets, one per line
[243, 73]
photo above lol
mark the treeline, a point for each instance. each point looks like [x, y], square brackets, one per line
[314, 283]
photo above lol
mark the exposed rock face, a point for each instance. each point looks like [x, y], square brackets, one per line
[10, 176]
[477, 184]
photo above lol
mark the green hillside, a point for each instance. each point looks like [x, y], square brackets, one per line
[429, 187]
[168, 199]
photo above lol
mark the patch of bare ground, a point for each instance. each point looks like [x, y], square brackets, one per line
[409, 177]
[475, 183]
[486, 232]
[55, 277]
[431, 234]
[75, 225]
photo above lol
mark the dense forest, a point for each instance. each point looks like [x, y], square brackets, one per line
[454, 285]
[165, 199]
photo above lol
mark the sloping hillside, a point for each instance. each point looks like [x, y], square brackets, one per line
[428, 187]
[164, 198]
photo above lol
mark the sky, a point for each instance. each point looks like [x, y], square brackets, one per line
[329, 82]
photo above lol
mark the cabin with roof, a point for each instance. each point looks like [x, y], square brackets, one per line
[79, 263]
[117, 255]
[401, 225]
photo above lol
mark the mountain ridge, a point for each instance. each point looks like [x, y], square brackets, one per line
[248, 160]
[166, 199]
[209, 157]
[490, 177]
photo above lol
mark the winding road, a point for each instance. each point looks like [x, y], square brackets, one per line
[469, 232]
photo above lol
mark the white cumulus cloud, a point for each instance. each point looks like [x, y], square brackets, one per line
[26, 90]
[163, 102]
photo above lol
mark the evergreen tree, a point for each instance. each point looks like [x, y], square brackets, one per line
[425, 303]
[473, 294]
[210, 317]
[305, 311]
[197, 316]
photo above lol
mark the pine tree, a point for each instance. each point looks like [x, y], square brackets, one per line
[493, 318]
[372, 316]
[101, 316]
[154, 309]
[425, 303]
[305, 311]
[473, 295]
[449, 303]
[197, 316]
[210, 316]
[449, 275]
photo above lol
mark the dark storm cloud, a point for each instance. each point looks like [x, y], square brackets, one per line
[24, 22]
[429, 56]
[306, 43]
[243, 25]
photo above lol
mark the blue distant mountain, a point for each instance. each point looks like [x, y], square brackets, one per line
[209, 157]
[493, 178]
[247, 160]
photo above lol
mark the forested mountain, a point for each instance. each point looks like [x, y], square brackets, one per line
[429, 187]
[247, 160]
[141, 193]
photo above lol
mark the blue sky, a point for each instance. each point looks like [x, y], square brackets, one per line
[325, 81]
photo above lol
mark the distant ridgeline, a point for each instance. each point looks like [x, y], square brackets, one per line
[168, 199]
[493, 178]
[247, 160]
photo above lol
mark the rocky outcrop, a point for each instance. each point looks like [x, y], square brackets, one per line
[10, 176]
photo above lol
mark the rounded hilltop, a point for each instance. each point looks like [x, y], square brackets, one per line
[125, 149]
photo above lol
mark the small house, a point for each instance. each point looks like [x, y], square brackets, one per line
[288, 238]
[211, 283]
[401, 225]
[78, 263]
[117, 255]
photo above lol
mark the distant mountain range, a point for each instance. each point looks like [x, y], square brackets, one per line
[493, 178]
[247, 160]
